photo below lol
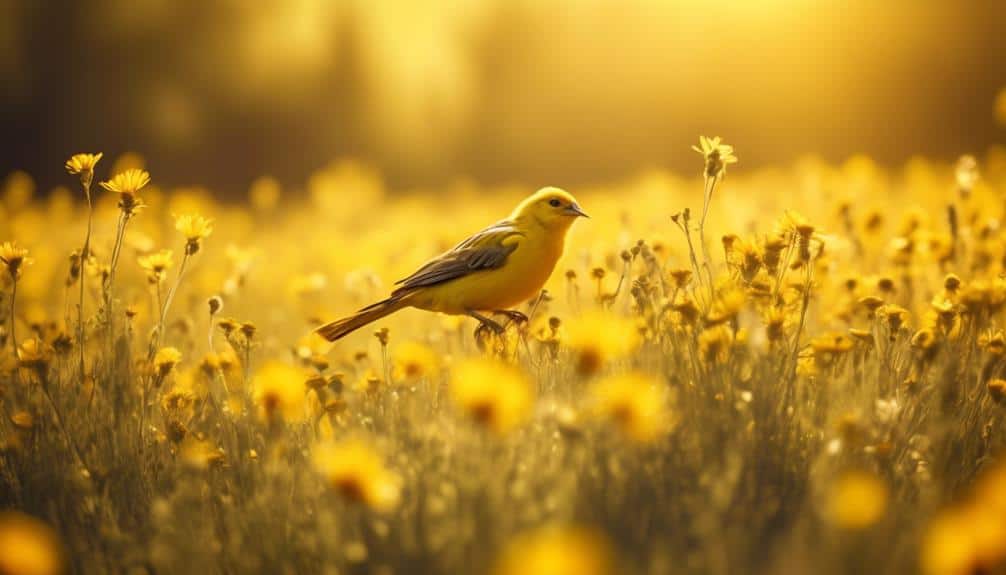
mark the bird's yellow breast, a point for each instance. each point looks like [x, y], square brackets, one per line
[522, 275]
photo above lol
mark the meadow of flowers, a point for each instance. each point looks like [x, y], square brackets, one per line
[789, 370]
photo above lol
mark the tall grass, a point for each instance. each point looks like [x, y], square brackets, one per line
[809, 399]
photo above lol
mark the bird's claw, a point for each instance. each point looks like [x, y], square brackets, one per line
[513, 316]
[482, 332]
[487, 326]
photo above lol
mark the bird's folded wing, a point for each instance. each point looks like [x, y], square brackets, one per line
[487, 249]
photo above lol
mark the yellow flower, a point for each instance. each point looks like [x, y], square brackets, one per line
[28, 546]
[715, 344]
[716, 154]
[83, 165]
[494, 394]
[681, 277]
[896, 317]
[966, 173]
[634, 403]
[963, 541]
[776, 322]
[357, 473]
[997, 390]
[34, 354]
[127, 184]
[165, 360]
[156, 264]
[834, 343]
[554, 550]
[279, 391]
[15, 258]
[856, 500]
[179, 401]
[23, 420]
[195, 228]
[264, 193]
[971, 536]
[199, 454]
[599, 337]
[414, 360]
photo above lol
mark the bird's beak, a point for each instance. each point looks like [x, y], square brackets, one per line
[575, 211]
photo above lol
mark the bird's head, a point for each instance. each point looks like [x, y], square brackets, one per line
[553, 208]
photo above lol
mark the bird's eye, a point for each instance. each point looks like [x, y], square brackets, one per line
[554, 203]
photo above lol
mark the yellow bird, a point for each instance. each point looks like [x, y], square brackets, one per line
[493, 270]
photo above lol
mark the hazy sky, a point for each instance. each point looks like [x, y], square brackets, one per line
[565, 92]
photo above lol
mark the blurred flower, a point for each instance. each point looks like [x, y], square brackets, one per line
[964, 541]
[195, 228]
[23, 420]
[18, 189]
[970, 537]
[215, 304]
[34, 354]
[199, 454]
[179, 401]
[716, 154]
[264, 193]
[14, 258]
[634, 403]
[554, 550]
[354, 470]
[715, 344]
[856, 500]
[492, 393]
[966, 173]
[1000, 107]
[414, 360]
[681, 277]
[997, 390]
[28, 546]
[279, 390]
[599, 337]
[128, 161]
[156, 265]
[165, 360]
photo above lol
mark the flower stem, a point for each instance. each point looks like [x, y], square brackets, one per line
[168, 300]
[13, 299]
[710, 186]
[84, 253]
[120, 233]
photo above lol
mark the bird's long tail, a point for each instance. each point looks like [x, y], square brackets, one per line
[343, 327]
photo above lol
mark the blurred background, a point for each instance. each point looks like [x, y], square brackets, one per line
[218, 92]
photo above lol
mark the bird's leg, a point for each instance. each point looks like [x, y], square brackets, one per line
[513, 316]
[485, 324]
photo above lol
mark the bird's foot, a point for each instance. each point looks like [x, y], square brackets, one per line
[486, 330]
[513, 316]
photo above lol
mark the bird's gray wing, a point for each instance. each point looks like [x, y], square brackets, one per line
[487, 249]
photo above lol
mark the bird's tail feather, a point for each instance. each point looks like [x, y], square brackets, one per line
[343, 327]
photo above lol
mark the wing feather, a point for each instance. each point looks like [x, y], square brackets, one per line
[487, 249]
